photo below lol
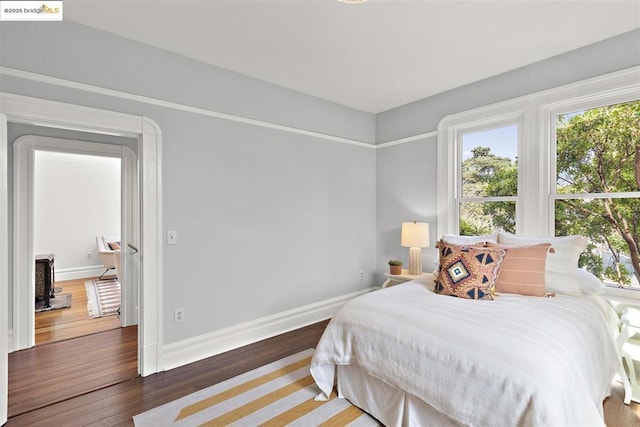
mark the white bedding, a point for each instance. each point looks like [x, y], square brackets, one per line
[513, 361]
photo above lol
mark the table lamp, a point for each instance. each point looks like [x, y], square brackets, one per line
[415, 236]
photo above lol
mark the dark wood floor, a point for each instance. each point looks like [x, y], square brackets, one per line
[55, 372]
[117, 404]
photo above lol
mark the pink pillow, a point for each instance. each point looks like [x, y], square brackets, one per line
[523, 269]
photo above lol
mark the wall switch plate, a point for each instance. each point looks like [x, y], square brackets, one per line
[172, 237]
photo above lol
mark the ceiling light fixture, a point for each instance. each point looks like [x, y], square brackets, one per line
[352, 1]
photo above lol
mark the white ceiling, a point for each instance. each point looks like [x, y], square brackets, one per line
[372, 56]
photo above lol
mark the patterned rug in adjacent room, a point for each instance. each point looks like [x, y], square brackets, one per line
[278, 394]
[103, 297]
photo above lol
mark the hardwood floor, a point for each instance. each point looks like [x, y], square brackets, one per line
[72, 322]
[68, 360]
[117, 404]
[55, 372]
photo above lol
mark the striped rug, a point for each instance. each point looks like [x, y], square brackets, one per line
[103, 297]
[278, 394]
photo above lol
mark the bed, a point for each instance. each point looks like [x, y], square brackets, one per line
[410, 356]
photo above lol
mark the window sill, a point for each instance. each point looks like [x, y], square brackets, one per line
[621, 298]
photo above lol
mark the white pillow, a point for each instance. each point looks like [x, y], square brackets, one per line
[470, 240]
[562, 263]
[589, 284]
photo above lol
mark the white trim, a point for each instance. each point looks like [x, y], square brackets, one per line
[534, 111]
[23, 213]
[11, 348]
[619, 296]
[206, 345]
[174, 105]
[23, 273]
[576, 196]
[6, 338]
[54, 114]
[84, 272]
[408, 139]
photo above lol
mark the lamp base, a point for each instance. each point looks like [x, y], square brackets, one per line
[415, 261]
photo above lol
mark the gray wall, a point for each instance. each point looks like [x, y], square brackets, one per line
[267, 220]
[270, 220]
[406, 173]
[616, 53]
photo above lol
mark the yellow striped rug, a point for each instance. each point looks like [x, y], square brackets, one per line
[278, 394]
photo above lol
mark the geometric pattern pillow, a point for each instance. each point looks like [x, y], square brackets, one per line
[468, 271]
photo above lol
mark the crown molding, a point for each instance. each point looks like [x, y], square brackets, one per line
[56, 81]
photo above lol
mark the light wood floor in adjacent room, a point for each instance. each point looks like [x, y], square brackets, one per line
[117, 404]
[72, 322]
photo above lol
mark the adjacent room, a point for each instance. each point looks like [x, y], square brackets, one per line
[320, 212]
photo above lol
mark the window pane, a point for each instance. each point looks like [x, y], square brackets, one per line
[596, 149]
[484, 218]
[611, 225]
[596, 153]
[489, 165]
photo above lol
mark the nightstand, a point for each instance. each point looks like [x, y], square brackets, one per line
[629, 347]
[395, 279]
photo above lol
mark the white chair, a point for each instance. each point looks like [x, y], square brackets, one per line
[105, 253]
[117, 260]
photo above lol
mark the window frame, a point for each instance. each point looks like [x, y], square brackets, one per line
[536, 118]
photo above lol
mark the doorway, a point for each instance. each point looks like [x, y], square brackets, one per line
[35, 111]
[26, 149]
[77, 201]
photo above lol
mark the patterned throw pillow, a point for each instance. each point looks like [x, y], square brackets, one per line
[468, 271]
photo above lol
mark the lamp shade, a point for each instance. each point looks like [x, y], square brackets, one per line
[415, 235]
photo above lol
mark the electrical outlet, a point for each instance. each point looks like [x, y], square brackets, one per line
[178, 315]
[172, 237]
[361, 275]
[89, 255]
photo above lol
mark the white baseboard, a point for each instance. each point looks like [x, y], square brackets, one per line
[197, 348]
[10, 343]
[74, 273]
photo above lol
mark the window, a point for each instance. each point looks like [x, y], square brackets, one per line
[597, 191]
[564, 161]
[489, 187]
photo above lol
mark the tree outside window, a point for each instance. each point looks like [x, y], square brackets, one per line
[597, 192]
[598, 188]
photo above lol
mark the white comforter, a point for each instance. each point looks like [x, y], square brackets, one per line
[513, 361]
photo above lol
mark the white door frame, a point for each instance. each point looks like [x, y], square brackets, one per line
[4, 267]
[28, 110]
[23, 227]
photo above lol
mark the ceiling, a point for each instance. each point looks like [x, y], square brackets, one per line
[372, 56]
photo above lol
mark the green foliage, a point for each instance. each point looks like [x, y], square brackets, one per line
[598, 151]
[480, 170]
[395, 262]
[486, 174]
[471, 227]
